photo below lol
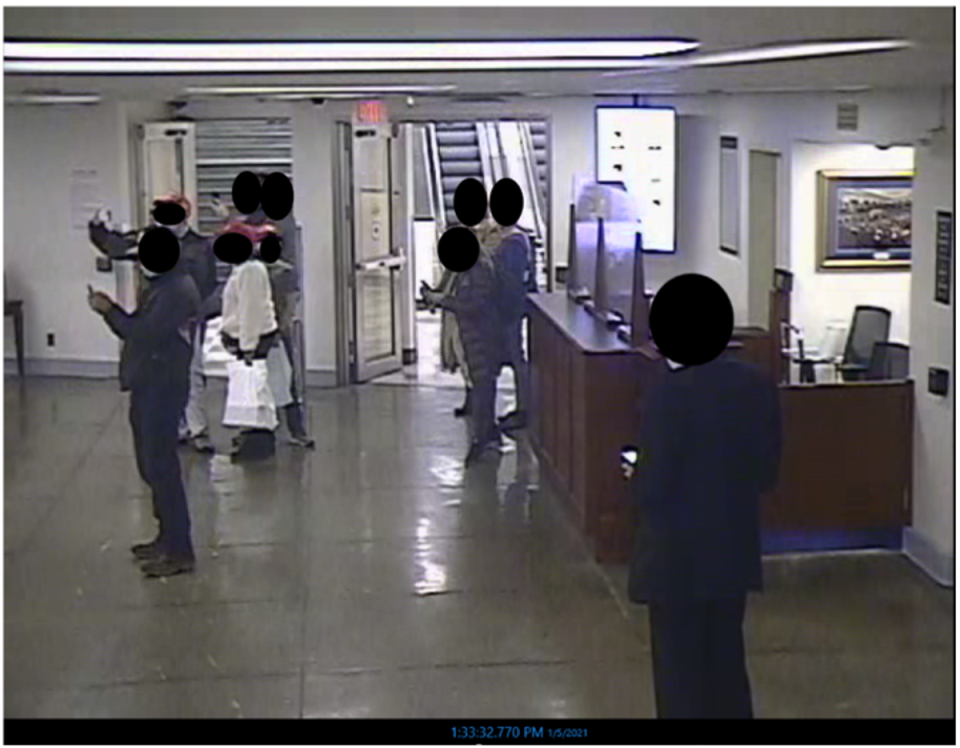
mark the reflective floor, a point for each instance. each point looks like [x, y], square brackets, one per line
[375, 578]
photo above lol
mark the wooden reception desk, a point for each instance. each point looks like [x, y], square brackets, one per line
[847, 448]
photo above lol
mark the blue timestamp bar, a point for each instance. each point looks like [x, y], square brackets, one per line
[516, 732]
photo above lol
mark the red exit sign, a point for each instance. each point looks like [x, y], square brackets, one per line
[371, 113]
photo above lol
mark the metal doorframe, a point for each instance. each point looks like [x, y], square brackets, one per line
[343, 252]
[440, 116]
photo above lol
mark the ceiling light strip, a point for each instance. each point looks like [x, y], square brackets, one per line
[314, 90]
[176, 67]
[338, 51]
[776, 53]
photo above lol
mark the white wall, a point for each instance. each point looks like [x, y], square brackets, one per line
[820, 297]
[48, 263]
[931, 541]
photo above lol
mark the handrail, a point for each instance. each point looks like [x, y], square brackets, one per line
[433, 153]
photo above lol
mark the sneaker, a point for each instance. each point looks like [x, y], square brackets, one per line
[147, 551]
[168, 566]
[302, 441]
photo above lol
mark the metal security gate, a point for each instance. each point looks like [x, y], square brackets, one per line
[225, 148]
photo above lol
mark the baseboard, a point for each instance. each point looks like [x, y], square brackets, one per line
[919, 549]
[63, 367]
[323, 378]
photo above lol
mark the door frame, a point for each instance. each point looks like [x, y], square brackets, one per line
[777, 228]
[343, 219]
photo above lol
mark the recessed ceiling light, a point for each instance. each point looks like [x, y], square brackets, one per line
[772, 53]
[52, 99]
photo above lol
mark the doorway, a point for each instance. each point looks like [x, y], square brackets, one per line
[764, 186]
[425, 162]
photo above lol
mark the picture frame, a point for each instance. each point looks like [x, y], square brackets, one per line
[864, 220]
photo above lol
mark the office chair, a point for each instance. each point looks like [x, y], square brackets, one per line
[871, 325]
[827, 352]
[889, 361]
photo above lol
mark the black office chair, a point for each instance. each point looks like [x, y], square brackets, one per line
[889, 361]
[871, 325]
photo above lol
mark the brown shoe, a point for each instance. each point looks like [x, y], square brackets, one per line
[168, 566]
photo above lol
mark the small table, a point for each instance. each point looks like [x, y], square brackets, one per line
[15, 309]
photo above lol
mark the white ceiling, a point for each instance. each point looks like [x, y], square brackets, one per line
[930, 63]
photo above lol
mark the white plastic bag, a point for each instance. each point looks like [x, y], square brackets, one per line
[249, 399]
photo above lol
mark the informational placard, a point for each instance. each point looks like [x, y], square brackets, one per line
[944, 256]
[85, 198]
[729, 195]
[636, 146]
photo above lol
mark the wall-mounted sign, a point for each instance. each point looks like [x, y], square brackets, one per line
[370, 113]
[729, 195]
[944, 256]
[636, 146]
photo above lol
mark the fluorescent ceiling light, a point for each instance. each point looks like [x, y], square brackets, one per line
[314, 90]
[270, 57]
[385, 51]
[186, 67]
[53, 99]
[775, 53]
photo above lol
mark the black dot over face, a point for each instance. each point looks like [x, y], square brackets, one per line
[159, 250]
[506, 202]
[470, 202]
[233, 248]
[169, 214]
[246, 192]
[691, 319]
[277, 196]
[458, 249]
[270, 249]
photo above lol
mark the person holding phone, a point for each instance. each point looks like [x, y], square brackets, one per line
[709, 447]
[155, 370]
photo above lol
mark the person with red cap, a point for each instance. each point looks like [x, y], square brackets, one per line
[198, 260]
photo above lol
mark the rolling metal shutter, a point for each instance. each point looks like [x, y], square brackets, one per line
[226, 147]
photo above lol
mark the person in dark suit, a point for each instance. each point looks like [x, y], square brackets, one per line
[709, 448]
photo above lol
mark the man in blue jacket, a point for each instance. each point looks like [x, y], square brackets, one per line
[198, 260]
[155, 369]
[709, 448]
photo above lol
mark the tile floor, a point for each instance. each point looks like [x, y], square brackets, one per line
[374, 577]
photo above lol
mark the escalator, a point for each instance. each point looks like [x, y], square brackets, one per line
[489, 151]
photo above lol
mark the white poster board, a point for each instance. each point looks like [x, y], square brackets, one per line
[637, 146]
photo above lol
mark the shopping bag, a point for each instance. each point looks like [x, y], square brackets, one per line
[249, 399]
[280, 375]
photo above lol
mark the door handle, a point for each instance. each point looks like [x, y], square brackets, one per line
[382, 263]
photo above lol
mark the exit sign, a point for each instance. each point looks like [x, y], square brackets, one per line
[370, 113]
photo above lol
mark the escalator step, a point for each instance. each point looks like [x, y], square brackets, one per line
[538, 128]
[445, 126]
[459, 153]
[540, 142]
[457, 138]
[461, 169]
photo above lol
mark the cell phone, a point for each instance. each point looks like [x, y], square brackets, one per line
[629, 456]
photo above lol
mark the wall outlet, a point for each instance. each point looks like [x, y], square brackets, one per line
[51, 340]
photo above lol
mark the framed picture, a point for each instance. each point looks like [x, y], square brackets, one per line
[864, 220]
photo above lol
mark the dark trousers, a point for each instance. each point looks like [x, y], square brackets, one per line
[699, 662]
[483, 403]
[516, 360]
[155, 417]
[296, 422]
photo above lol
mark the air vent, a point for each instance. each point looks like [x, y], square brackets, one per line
[848, 117]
